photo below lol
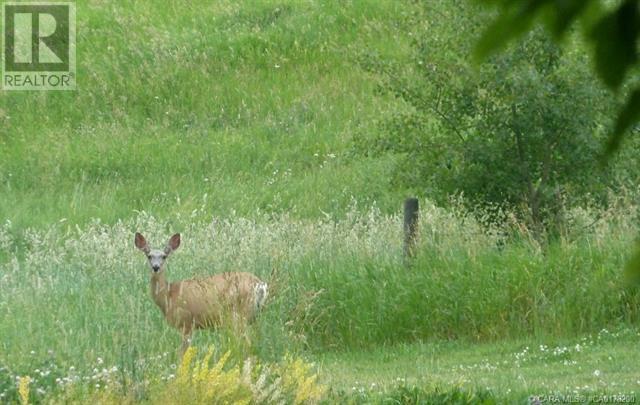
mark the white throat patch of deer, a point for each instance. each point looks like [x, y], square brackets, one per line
[201, 303]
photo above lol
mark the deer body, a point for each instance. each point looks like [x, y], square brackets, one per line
[202, 303]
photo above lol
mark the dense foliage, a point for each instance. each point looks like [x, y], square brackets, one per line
[611, 27]
[524, 130]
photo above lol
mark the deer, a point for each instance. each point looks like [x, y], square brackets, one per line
[203, 303]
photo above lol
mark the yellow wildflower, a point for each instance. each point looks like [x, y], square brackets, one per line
[23, 389]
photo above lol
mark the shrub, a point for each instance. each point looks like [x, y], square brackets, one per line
[197, 382]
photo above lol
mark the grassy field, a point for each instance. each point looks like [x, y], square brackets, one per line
[233, 123]
[342, 296]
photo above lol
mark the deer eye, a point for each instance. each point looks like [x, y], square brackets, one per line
[149, 257]
[164, 256]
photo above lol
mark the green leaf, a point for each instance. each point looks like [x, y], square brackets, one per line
[509, 25]
[615, 37]
[563, 14]
[629, 115]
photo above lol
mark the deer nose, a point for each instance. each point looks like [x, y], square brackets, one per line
[156, 267]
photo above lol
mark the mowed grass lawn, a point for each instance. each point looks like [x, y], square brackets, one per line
[594, 366]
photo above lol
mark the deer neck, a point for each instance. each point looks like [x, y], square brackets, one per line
[160, 291]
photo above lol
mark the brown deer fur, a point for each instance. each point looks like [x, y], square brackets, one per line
[201, 303]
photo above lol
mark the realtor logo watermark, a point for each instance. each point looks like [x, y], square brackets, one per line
[38, 45]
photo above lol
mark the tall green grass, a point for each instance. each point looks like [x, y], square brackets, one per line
[78, 296]
[335, 283]
[469, 282]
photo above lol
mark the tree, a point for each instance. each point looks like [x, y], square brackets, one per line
[611, 27]
[524, 129]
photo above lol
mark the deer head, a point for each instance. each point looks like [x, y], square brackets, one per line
[156, 257]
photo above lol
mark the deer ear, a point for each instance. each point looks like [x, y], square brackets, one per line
[141, 242]
[173, 244]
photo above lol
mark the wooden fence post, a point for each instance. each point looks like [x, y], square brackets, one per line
[411, 208]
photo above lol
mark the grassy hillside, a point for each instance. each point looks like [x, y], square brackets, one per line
[229, 105]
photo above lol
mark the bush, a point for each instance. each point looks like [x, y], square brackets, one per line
[197, 382]
[507, 133]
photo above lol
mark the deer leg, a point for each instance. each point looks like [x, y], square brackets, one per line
[186, 340]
